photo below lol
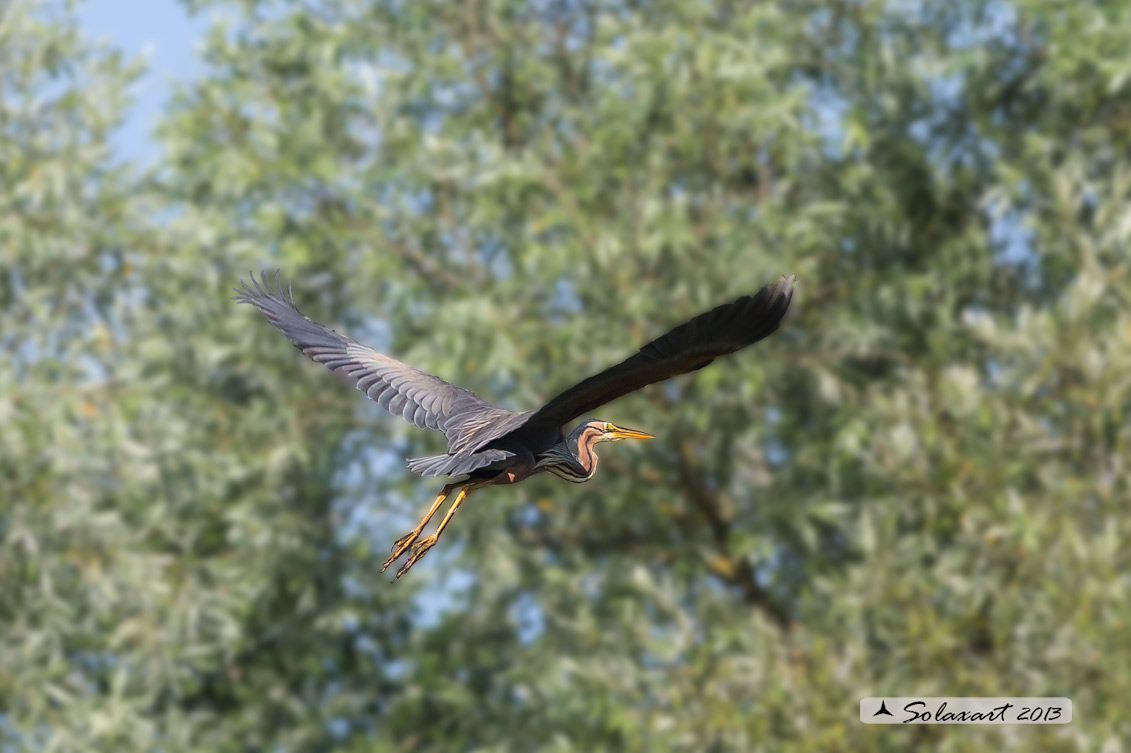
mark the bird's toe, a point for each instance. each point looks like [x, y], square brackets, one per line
[422, 548]
[400, 546]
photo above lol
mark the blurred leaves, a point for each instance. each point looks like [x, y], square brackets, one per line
[917, 486]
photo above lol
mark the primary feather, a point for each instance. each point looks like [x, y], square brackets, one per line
[688, 347]
[422, 399]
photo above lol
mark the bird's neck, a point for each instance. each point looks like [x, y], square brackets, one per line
[581, 445]
[572, 459]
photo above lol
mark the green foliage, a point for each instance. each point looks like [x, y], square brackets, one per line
[917, 487]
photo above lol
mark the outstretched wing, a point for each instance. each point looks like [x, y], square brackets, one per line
[688, 347]
[425, 400]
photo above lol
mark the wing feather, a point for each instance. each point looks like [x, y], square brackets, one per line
[471, 423]
[422, 399]
[688, 347]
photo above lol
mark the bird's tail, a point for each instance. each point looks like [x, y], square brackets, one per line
[456, 465]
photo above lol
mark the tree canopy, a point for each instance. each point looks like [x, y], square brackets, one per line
[917, 486]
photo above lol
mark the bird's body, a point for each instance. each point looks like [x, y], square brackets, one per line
[490, 445]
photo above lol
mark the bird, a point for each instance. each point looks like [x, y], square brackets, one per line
[488, 445]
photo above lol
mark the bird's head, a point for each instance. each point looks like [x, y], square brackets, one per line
[610, 432]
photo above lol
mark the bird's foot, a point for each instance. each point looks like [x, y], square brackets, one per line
[400, 546]
[418, 551]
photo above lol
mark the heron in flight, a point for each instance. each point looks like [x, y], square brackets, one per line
[488, 445]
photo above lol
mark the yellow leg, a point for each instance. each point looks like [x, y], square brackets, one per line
[401, 545]
[424, 545]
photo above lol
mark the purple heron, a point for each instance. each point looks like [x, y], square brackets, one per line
[488, 445]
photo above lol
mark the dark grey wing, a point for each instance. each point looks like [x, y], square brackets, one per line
[425, 400]
[688, 347]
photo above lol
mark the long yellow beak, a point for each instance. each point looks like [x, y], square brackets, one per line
[620, 433]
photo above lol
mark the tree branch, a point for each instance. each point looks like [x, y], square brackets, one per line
[725, 565]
